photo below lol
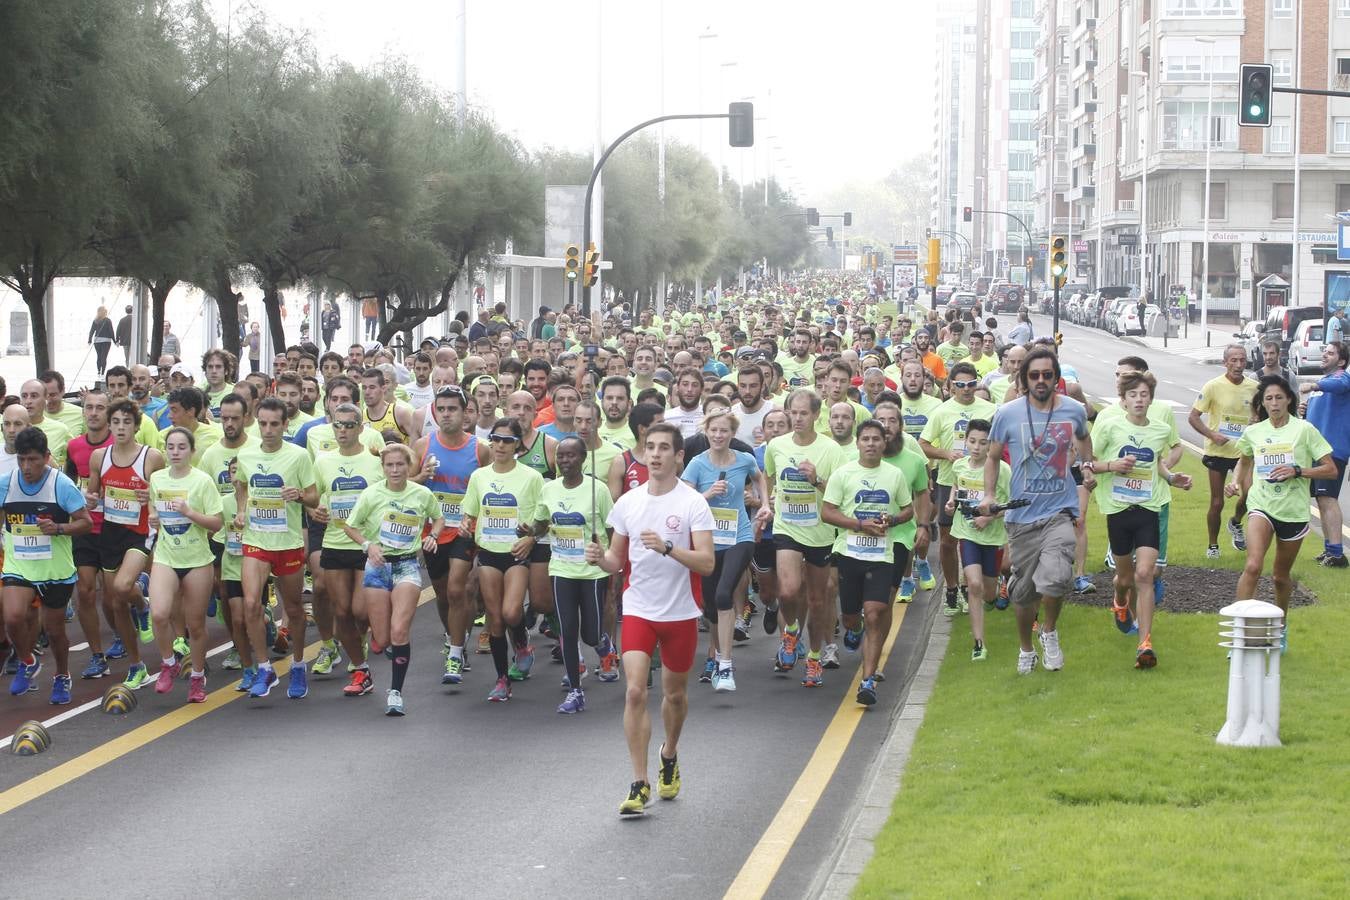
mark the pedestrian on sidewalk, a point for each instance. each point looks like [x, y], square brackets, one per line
[1335, 330]
[1328, 410]
[122, 336]
[1270, 355]
[101, 335]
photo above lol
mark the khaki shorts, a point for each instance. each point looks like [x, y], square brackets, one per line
[1042, 559]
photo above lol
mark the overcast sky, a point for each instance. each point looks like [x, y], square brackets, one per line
[846, 87]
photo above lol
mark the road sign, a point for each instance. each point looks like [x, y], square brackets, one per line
[905, 253]
[1342, 242]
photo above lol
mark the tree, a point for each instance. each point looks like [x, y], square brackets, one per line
[74, 120]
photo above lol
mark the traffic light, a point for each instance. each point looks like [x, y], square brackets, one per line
[1254, 98]
[1059, 259]
[572, 263]
[592, 265]
[741, 124]
[812, 217]
[1059, 338]
[829, 234]
[848, 220]
[934, 267]
[967, 213]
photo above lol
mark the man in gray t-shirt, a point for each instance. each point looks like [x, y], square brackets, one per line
[1044, 432]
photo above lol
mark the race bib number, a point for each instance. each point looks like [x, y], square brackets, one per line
[121, 507]
[1231, 426]
[341, 504]
[871, 548]
[1132, 489]
[399, 531]
[569, 543]
[499, 523]
[234, 542]
[30, 543]
[267, 513]
[801, 503]
[726, 524]
[452, 509]
[1270, 457]
[171, 522]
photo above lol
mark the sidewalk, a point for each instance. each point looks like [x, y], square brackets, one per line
[1194, 346]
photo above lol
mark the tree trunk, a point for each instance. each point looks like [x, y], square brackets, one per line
[227, 304]
[159, 298]
[407, 317]
[35, 298]
[272, 304]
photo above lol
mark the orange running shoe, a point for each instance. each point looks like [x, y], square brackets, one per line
[1144, 657]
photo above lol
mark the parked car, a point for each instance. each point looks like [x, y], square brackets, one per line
[962, 300]
[1305, 350]
[1070, 309]
[1128, 323]
[1283, 321]
[943, 292]
[1112, 312]
[1004, 296]
[1250, 339]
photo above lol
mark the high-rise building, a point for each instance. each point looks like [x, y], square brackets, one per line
[1054, 67]
[953, 166]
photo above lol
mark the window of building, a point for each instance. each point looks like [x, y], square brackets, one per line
[1207, 8]
[1186, 59]
[1023, 9]
[1282, 9]
[1343, 9]
[1022, 70]
[1020, 190]
[1218, 200]
[1021, 131]
[1021, 100]
[1282, 200]
[1024, 38]
[1343, 65]
[1340, 135]
[1342, 197]
[1020, 160]
[1183, 125]
[1282, 66]
[1278, 135]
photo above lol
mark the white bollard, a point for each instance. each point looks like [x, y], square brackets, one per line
[1253, 674]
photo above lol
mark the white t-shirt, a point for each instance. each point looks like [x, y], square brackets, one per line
[687, 420]
[751, 422]
[8, 461]
[419, 396]
[659, 589]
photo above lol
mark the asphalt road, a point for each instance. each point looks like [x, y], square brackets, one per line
[329, 796]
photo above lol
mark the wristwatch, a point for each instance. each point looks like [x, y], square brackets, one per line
[1298, 471]
[669, 548]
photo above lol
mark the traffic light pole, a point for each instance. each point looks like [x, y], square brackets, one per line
[1054, 325]
[595, 174]
[1018, 220]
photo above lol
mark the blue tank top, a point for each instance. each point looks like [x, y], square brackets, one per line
[453, 468]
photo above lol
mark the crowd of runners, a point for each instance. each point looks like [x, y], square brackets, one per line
[633, 490]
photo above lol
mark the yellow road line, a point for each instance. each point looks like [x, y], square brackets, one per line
[764, 861]
[40, 785]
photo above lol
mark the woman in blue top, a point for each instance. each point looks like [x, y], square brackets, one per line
[721, 475]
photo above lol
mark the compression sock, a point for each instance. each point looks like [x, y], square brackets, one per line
[520, 635]
[1336, 549]
[401, 654]
[498, 645]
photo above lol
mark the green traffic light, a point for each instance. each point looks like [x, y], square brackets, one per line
[1255, 110]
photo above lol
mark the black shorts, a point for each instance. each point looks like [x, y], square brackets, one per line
[84, 547]
[315, 532]
[1284, 531]
[1327, 487]
[502, 562]
[814, 556]
[541, 553]
[342, 560]
[438, 560]
[987, 556]
[1220, 464]
[52, 594]
[117, 541]
[218, 550]
[1132, 528]
[233, 589]
[941, 494]
[766, 555]
[902, 555]
[862, 582]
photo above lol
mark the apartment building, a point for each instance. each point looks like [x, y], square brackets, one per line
[953, 164]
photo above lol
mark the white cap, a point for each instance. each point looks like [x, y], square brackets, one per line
[181, 369]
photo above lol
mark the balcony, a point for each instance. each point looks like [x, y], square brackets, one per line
[1081, 193]
[1083, 110]
[1083, 152]
[1083, 29]
[1084, 70]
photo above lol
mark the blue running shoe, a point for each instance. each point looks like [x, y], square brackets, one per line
[867, 692]
[263, 683]
[907, 587]
[853, 639]
[97, 668]
[25, 677]
[786, 657]
[709, 670]
[117, 650]
[575, 703]
[246, 679]
[924, 572]
[60, 690]
[299, 687]
[1159, 591]
[1083, 585]
[143, 582]
[520, 669]
[211, 608]
[70, 611]
[1124, 619]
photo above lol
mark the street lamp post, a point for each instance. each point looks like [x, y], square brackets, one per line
[1143, 168]
[1209, 145]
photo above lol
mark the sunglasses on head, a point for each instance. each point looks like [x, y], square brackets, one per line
[503, 438]
[1041, 375]
[450, 390]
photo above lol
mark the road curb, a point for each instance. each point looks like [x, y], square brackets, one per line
[1204, 362]
[884, 780]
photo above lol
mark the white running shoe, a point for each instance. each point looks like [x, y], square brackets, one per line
[1054, 656]
[393, 705]
[725, 680]
[1026, 662]
[829, 656]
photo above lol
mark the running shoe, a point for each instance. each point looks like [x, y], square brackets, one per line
[1124, 619]
[952, 606]
[965, 600]
[575, 703]
[740, 632]
[480, 621]
[246, 679]
[269, 627]
[815, 676]
[1159, 591]
[42, 643]
[770, 620]
[166, 677]
[1335, 561]
[145, 629]
[263, 682]
[197, 689]
[60, 690]
[639, 795]
[1026, 662]
[359, 685]
[867, 692]
[393, 703]
[829, 656]
[1144, 657]
[299, 686]
[484, 642]
[454, 670]
[581, 676]
[1212, 552]
[725, 680]
[231, 661]
[906, 589]
[181, 648]
[70, 611]
[137, 677]
[328, 657]
[117, 650]
[97, 668]
[143, 583]
[1109, 561]
[668, 782]
[1054, 656]
[853, 639]
[609, 668]
[501, 691]
[524, 662]
[11, 663]
[1083, 585]
[709, 670]
[212, 606]
[549, 627]
[281, 645]
[787, 653]
[979, 654]
[924, 572]
[555, 653]
[703, 624]
[1237, 534]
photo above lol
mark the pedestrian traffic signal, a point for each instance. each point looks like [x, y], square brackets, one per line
[967, 213]
[572, 262]
[934, 266]
[592, 266]
[812, 217]
[1059, 260]
[741, 124]
[1254, 98]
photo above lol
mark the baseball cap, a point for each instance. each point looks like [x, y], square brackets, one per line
[181, 369]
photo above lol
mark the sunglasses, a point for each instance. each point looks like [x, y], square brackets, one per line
[503, 438]
[451, 390]
[964, 384]
[347, 426]
[1041, 375]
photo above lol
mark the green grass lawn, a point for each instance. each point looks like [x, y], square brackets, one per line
[1101, 780]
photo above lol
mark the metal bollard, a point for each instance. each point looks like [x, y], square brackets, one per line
[1253, 674]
